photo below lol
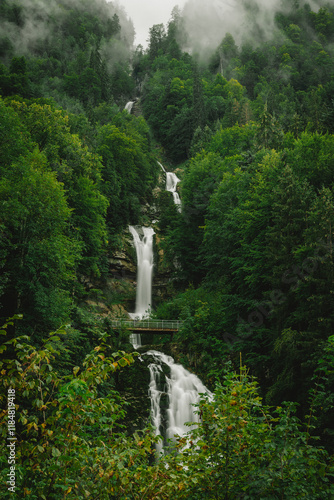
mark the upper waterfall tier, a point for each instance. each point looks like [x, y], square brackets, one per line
[129, 106]
[171, 184]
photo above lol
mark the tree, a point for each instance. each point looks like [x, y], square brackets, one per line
[226, 51]
[127, 175]
[80, 172]
[243, 449]
[14, 137]
[15, 80]
[176, 34]
[38, 257]
[113, 26]
[157, 40]
[269, 133]
[72, 422]
[199, 117]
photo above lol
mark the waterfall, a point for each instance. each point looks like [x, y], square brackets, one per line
[171, 183]
[182, 388]
[129, 106]
[179, 389]
[162, 167]
[155, 397]
[144, 250]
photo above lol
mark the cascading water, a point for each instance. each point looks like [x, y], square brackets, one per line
[171, 183]
[129, 106]
[179, 388]
[162, 167]
[155, 397]
[143, 241]
[183, 390]
[144, 250]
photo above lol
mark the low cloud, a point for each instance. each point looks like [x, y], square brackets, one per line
[208, 22]
[40, 20]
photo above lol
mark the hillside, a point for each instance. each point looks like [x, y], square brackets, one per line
[247, 125]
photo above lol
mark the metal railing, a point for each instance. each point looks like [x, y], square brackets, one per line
[163, 324]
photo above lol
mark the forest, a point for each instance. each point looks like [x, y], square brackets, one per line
[248, 126]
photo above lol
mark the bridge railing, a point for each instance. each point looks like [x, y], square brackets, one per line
[164, 324]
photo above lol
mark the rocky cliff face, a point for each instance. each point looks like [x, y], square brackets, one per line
[136, 109]
[115, 294]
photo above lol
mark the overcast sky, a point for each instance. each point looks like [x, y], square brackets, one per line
[146, 13]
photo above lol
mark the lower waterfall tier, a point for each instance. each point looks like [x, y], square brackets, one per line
[182, 390]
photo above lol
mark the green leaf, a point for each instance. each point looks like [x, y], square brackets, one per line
[122, 362]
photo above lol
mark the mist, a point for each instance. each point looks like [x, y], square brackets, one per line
[253, 20]
[39, 21]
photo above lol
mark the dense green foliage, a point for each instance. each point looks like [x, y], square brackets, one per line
[290, 76]
[74, 169]
[61, 201]
[74, 424]
[68, 50]
[254, 240]
[250, 128]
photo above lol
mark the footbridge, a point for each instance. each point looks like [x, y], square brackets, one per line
[148, 325]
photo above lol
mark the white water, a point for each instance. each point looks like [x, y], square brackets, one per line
[143, 241]
[155, 396]
[183, 390]
[144, 249]
[171, 183]
[163, 168]
[129, 106]
[181, 387]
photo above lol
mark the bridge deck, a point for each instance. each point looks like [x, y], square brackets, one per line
[148, 325]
